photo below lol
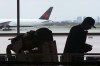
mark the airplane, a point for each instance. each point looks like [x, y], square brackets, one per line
[4, 24]
[44, 19]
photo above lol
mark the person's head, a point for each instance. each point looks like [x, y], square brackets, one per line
[88, 23]
[44, 34]
[29, 40]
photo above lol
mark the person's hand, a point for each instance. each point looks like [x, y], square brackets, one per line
[87, 47]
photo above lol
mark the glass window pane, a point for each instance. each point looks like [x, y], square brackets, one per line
[8, 15]
[64, 15]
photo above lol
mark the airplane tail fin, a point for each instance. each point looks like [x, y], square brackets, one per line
[46, 15]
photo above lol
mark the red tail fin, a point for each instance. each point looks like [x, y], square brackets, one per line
[46, 15]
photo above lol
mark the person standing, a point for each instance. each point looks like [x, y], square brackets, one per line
[76, 42]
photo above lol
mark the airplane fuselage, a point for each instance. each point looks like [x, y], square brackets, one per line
[25, 22]
[44, 19]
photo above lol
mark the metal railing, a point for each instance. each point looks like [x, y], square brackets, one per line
[94, 60]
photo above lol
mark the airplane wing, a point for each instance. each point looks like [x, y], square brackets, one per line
[48, 23]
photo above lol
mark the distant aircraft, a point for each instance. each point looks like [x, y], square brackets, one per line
[44, 19]
[4, 24]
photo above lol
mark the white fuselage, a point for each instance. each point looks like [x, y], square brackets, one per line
[25, 22]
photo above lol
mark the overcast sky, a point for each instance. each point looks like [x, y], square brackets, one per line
[63, 9]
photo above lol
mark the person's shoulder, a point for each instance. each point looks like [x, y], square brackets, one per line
[76, 27]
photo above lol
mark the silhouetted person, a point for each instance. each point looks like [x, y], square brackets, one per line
[22, 43]
[75, 43]
[46, 46]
